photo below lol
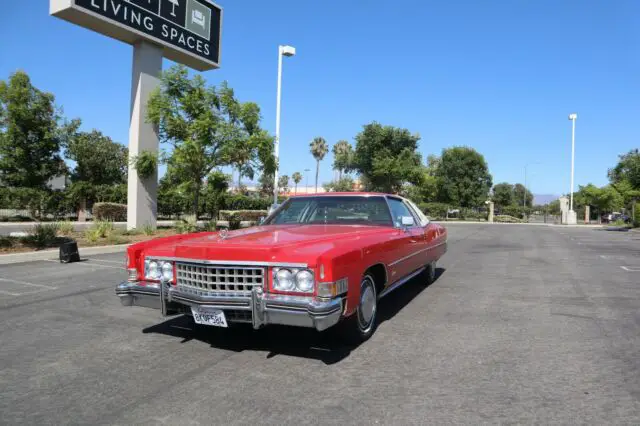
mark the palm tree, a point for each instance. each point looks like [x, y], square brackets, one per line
[319, 149]
[342, 153]
[296, 177]
[283, 183]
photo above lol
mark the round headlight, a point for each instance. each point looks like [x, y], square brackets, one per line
[153, 271]
[304, 281]
[167, 271]
[284, 280]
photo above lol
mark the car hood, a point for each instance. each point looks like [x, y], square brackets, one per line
[276, 243]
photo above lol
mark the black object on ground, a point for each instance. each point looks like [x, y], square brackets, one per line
[69, 252]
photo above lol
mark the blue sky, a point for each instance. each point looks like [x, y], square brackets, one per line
[500, 76]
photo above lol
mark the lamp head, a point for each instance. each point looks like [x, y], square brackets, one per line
[287, 50]
[573, 116]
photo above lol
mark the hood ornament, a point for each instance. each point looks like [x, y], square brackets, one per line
[223, 234]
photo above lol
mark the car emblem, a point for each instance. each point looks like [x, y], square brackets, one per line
[223, 234]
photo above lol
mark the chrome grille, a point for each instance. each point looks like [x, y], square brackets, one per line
[218, 279]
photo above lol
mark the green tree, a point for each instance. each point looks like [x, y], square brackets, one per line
[553, 207]
[503, 194]
[319, 149]
[627, 169]
[463, 177]
[297, 178]
[253, 148]
[30, 135]
[522, 196]
[265, 183]
[386, 158]
[205, 125]
[341, 185]
[342, 157]
[283, 183]
[605, 199]
[215, 192]
[424, 190]
[98, 159]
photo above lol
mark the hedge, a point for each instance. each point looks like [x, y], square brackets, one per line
[503, 218]
[434, 210]
[250, 215]
[110, 211]
[242, 202]
[517, 211]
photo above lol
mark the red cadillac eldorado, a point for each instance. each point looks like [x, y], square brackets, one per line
[316, 261]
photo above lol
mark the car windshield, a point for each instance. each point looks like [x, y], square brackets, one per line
[347, 210]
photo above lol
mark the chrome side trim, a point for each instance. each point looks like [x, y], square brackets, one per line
[230, 262]
[416, 253]
[398, 283]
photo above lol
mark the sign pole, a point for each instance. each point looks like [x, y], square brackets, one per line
[143, 136]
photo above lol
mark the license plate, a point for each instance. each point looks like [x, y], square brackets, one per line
[214, 317]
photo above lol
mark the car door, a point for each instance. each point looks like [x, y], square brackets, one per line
[430, 235]
[409, 240]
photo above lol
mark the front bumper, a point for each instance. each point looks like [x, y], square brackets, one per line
[262, 308]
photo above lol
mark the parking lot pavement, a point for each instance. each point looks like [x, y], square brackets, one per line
[523, 325]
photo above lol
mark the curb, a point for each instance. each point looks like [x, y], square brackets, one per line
[7, 259]
[465, 222]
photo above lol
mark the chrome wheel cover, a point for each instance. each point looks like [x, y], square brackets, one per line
[368, 305]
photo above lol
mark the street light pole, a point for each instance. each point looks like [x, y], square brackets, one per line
[573, 118]
[282, 51]
[524, 198]
[306, 185]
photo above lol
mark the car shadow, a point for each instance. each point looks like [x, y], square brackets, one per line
[614, 229]
[327, 346]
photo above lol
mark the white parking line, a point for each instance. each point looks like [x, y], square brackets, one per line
[29, 284]
[121, 262]
[631, 268]
[93, 265]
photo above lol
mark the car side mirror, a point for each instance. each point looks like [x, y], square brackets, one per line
[407, 221]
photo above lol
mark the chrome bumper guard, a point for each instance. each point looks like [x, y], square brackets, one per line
[265, 308]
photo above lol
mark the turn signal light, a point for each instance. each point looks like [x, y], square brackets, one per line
[333, 289]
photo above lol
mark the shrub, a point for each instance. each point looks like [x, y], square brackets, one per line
[42, 235]
[250, 215]
[65, 228]
[110, 211]
[92, 235]
[6, 242]
[234, 221]
[185, 226]
[145, 164]
[147, 229]
[100, 229]
[469, 214]
[517, 211]
[210, 226]
[636, 219]
[435, 210]
[503, 218]
[242, 202]
[4, 219]
[20, 218]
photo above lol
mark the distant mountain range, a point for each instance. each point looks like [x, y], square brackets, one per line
[544, 198]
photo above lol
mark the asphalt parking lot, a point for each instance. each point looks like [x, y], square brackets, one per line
[525, 324]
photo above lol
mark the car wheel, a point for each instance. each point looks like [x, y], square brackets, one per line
[362, 324]
[429, 273]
